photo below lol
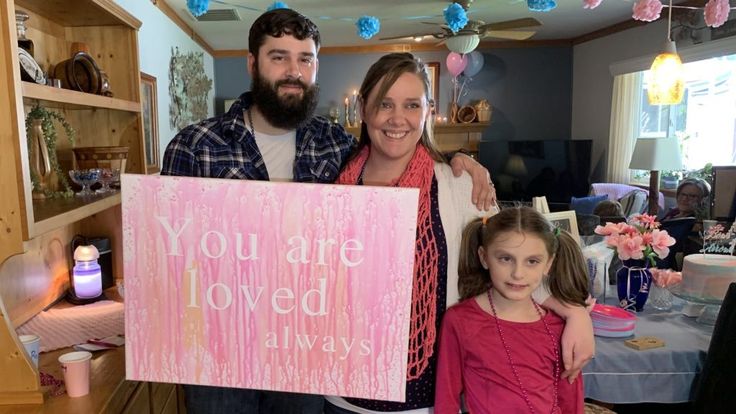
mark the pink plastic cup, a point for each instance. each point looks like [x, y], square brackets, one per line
[76, 372]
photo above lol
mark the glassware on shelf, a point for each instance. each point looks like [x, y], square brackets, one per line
[107, 177]
[85, 178]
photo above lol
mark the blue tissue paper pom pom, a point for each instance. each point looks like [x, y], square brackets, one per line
[198, 7]
[455, 17]
[277, 5]
[368, 26]
[541, 5]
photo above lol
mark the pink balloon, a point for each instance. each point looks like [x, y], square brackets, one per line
[456, 63]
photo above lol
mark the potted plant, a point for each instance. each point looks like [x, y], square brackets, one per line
[42, 137]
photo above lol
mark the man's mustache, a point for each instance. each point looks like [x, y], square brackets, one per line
[291, 82]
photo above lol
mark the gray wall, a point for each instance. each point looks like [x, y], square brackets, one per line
[232, 79]
[633, 49]
[530, 89]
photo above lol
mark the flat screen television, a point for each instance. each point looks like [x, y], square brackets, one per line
[556, 169]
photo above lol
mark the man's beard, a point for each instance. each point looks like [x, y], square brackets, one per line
[289, 111]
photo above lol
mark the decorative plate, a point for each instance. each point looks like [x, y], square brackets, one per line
[30, 68]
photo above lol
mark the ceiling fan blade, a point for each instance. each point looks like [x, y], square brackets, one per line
[511, 24]
[510, 34]
[409, 36]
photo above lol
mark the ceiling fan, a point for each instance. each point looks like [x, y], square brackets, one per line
[467, 38]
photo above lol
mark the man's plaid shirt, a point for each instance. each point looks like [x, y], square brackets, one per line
[223, 147]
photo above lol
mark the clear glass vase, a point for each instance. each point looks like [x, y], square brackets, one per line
[660, 298]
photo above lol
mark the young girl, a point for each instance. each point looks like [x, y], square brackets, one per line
[498, 347]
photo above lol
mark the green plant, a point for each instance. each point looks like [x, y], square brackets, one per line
[47, 119]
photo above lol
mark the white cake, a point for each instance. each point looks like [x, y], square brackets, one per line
[707, 276]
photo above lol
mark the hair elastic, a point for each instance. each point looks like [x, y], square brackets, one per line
[485, 220]
[556, 231]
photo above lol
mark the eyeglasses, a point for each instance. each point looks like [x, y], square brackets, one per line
[689, 196]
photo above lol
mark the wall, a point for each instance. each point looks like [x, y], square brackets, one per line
[596, 62]
[156, 37]
[232, 80]
[592, 84]
[528, 103]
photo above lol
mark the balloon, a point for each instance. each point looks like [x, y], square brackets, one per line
[475, 63]
[456, 63]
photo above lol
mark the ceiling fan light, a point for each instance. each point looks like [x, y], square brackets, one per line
[462, 43]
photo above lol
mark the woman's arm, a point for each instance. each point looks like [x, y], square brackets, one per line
[578, 343]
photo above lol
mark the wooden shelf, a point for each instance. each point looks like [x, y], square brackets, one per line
[53, 213]
[81, 12]
[68, 99]
[473, 127]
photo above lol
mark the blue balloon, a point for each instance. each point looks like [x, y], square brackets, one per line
[475, 63]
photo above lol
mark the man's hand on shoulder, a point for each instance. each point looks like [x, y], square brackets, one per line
[484, 194]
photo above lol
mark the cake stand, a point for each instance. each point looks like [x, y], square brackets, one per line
[709, 314]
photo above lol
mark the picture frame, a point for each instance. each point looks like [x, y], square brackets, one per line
[433, 69]
[566, 220]
[149, 114]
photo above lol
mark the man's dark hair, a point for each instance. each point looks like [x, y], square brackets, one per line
[280, 22]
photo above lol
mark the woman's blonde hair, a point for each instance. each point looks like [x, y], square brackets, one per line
[383, 74]
[568, 276]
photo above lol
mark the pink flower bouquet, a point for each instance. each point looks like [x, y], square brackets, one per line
[640, 239]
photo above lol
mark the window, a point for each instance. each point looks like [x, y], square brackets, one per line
[705, 120]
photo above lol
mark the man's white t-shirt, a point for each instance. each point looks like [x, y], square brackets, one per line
[278, 153]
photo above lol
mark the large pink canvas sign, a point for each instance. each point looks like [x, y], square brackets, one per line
[276, 286]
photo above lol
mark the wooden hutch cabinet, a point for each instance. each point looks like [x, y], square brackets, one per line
[111, 37]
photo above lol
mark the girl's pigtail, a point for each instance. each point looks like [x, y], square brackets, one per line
[568, 277]
[473, 278]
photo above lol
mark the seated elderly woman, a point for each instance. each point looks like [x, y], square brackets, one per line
[690, 194]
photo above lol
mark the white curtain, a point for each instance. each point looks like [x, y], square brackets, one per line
[625, 108]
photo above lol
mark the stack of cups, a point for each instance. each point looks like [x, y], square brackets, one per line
[76, 372]
[31, 343]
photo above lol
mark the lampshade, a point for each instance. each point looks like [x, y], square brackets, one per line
[463, 43]
[656, 154]
[515, 166]
[666, 85]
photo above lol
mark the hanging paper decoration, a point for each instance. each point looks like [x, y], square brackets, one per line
[541, 5]
[647, 10]
[455, 17]
[591, 4]
[716, 12]
[368, 26]
[277, 5]
[198, 7]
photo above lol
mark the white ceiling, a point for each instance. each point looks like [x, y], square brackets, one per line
[336, 18]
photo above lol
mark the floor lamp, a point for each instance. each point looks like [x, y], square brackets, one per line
[655, 155]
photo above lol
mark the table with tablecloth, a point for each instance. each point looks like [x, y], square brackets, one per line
[619, 374]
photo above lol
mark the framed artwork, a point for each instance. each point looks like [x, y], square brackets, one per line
[149, 110]
[433, 68]
[565, 220]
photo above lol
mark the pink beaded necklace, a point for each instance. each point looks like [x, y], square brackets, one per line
[555, 407]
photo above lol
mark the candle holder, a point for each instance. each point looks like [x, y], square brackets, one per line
[86, 276]
[347, 115]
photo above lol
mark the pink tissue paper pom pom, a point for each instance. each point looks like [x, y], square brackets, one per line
[716, 12]
[591, 4]
[647, 10]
